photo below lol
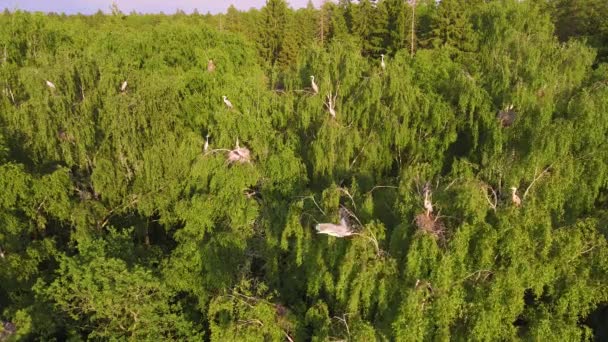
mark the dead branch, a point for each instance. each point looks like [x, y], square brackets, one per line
[494, 195]
[380, 187]
[287, 335]
[478, 273]
[345, 191]
[545, 171]
[343, 320]
[449, 185]
[311, 197]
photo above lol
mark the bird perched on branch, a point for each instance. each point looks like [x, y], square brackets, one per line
[227, 102]
[206, 146]
[315, 87]
[428, 205]
[514, 198]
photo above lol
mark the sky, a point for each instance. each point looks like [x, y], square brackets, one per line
[142, 6]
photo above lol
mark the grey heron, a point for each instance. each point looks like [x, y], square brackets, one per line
[428, 205]
[331, 104]
[315, 87]
[210, 66]
[206, 147]
[227, 102]
[514, 198]
[337, 230]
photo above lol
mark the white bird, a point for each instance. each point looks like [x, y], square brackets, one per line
[314, 86]
[1, 253]
[514, 198]
[428, 205]
[123, 87]
[382, 64]
[227, 102]
[210, 66]
[206, 147]
[331, 104]
[50, 84]
[337, 230]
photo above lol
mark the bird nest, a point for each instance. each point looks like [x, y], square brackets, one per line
[507, 116]
[239, 155]
[430, 224]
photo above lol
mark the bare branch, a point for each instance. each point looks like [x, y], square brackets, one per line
[345, 191]
[311, 197]
[495, 196]
[381, 187]
[343, 320]
[545, 171]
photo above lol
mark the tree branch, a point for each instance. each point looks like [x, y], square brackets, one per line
[535, 179]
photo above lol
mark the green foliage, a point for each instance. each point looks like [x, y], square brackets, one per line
[117, 223]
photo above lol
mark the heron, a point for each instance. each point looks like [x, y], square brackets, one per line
[382, 64]
[337, 230]
[315, 87]
[206, 147]
[50, 84]
[514, 198]
[227, 102]
[428, 205]
[123, 87]
[331, 104]
[210, 66]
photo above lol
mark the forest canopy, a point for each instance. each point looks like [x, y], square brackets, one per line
[369, 170]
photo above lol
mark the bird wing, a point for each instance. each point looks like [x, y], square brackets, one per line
[333, 229]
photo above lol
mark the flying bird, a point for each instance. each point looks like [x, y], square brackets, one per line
[50, 84]
[382, 64]
[227, 102]
[337, 230]
[514, 198]
[210, 66]
[123, 87]
[315, 87]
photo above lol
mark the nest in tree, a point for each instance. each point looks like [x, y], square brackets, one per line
[65, 136]
[430, 224]
[8, 329]
[507, 116]
[239, 155]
